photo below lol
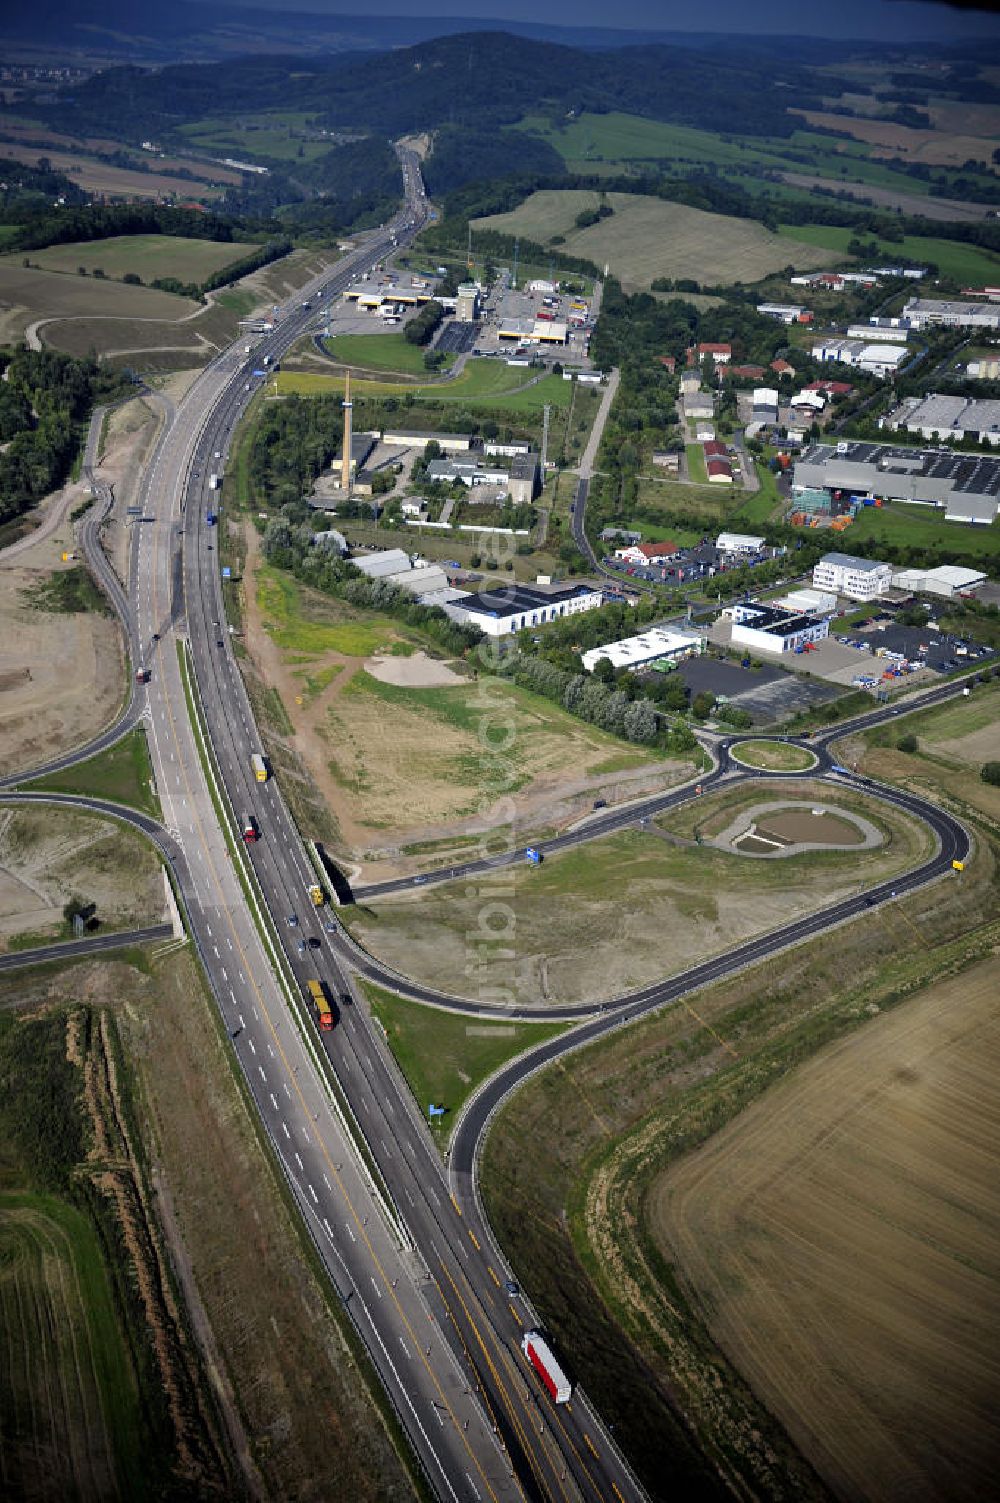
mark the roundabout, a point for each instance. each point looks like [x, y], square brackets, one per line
[764, 755]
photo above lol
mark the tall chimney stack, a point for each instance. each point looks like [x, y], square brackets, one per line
[345, 472]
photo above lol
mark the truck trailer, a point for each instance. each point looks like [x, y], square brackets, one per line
[539, 1354]
[214, 482]
[322, 1004]
[259, 765]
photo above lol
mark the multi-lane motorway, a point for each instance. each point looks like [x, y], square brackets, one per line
[405, 1242]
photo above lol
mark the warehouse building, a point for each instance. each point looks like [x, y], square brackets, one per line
[768, 628]
[923, 313]
[854, 578]
[533, 331]
[413, 574]
[942, 417]
[965, 486]
[412, 438]
[877, 359]
[947, 581]
[657, 645]
[500, 612]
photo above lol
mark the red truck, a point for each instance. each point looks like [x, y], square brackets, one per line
[539, 1354]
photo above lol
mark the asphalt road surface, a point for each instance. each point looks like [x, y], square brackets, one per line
[92, 944]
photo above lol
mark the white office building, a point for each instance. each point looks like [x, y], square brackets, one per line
[739, 543]
[854, 578]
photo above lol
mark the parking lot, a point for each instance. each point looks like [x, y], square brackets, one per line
[935, 650]
[457, 338]
[767, 694]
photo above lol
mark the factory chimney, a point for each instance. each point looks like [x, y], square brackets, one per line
[345, 473]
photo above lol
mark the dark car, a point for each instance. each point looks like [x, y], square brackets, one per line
[512, 1287]
[600, 803]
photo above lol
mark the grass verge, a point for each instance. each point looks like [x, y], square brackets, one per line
[444, 1055]
[123, 773]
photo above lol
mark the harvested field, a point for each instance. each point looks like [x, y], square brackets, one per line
[566, 942]
[61, 675]
[48, 856]
[36, 135]
[647, 238]
[936, 147]
[120, 182]
[149, 256]
[842, 1237]
[65, 1360]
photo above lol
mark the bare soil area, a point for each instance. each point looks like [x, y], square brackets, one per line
[415, 672]
[61, 675]
[842, 1239]
[48, 856]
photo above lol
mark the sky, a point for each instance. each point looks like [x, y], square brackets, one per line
[897, 20]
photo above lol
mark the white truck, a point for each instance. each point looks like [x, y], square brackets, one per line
[540, 1355]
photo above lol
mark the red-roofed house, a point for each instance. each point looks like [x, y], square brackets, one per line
[721, 353]
[720, 472]
[832, 388]
[668, 361]
[715, 449]
[752, 372]
[646, 553]
[782, 368]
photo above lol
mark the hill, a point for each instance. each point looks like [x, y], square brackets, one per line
[645, 238]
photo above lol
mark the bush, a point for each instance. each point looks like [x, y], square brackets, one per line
[990, 773]
[907, 743]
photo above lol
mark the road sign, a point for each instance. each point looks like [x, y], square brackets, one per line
[134, 511]
[435, 1111]
[227, 573]
[959, 866]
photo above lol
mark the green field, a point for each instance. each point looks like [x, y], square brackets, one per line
[123, 773]
[615, 139]
[646, 238]
[962, 263]
[381, 352]
[268, 135]
[443, 1055]
[483, 383]
[149, 256]
[916, 526]
[287, 622]
[774, 756]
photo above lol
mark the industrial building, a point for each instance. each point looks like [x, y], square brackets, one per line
[888, 329]
[506, 448]
[854, 578]
[470, 472]
[922, 313]
[877, 359]
[410, 438]
[947, 580]
[941, 417]
[500, 612]
[785, 313]
[656, 645]
[965, 486]
[987, 369]
[467, 303]
[768, 628]
[523, 480]
[738, 543]
[416, 575]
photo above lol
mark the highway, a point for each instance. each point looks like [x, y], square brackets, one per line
[92, 944]
[404, 1241]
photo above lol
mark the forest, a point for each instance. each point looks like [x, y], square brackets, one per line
[44, 399]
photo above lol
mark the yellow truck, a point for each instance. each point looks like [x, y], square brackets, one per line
[259, 765]
[317, 895]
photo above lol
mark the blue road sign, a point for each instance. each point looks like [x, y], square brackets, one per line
[227, 573]
[435, 1111]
